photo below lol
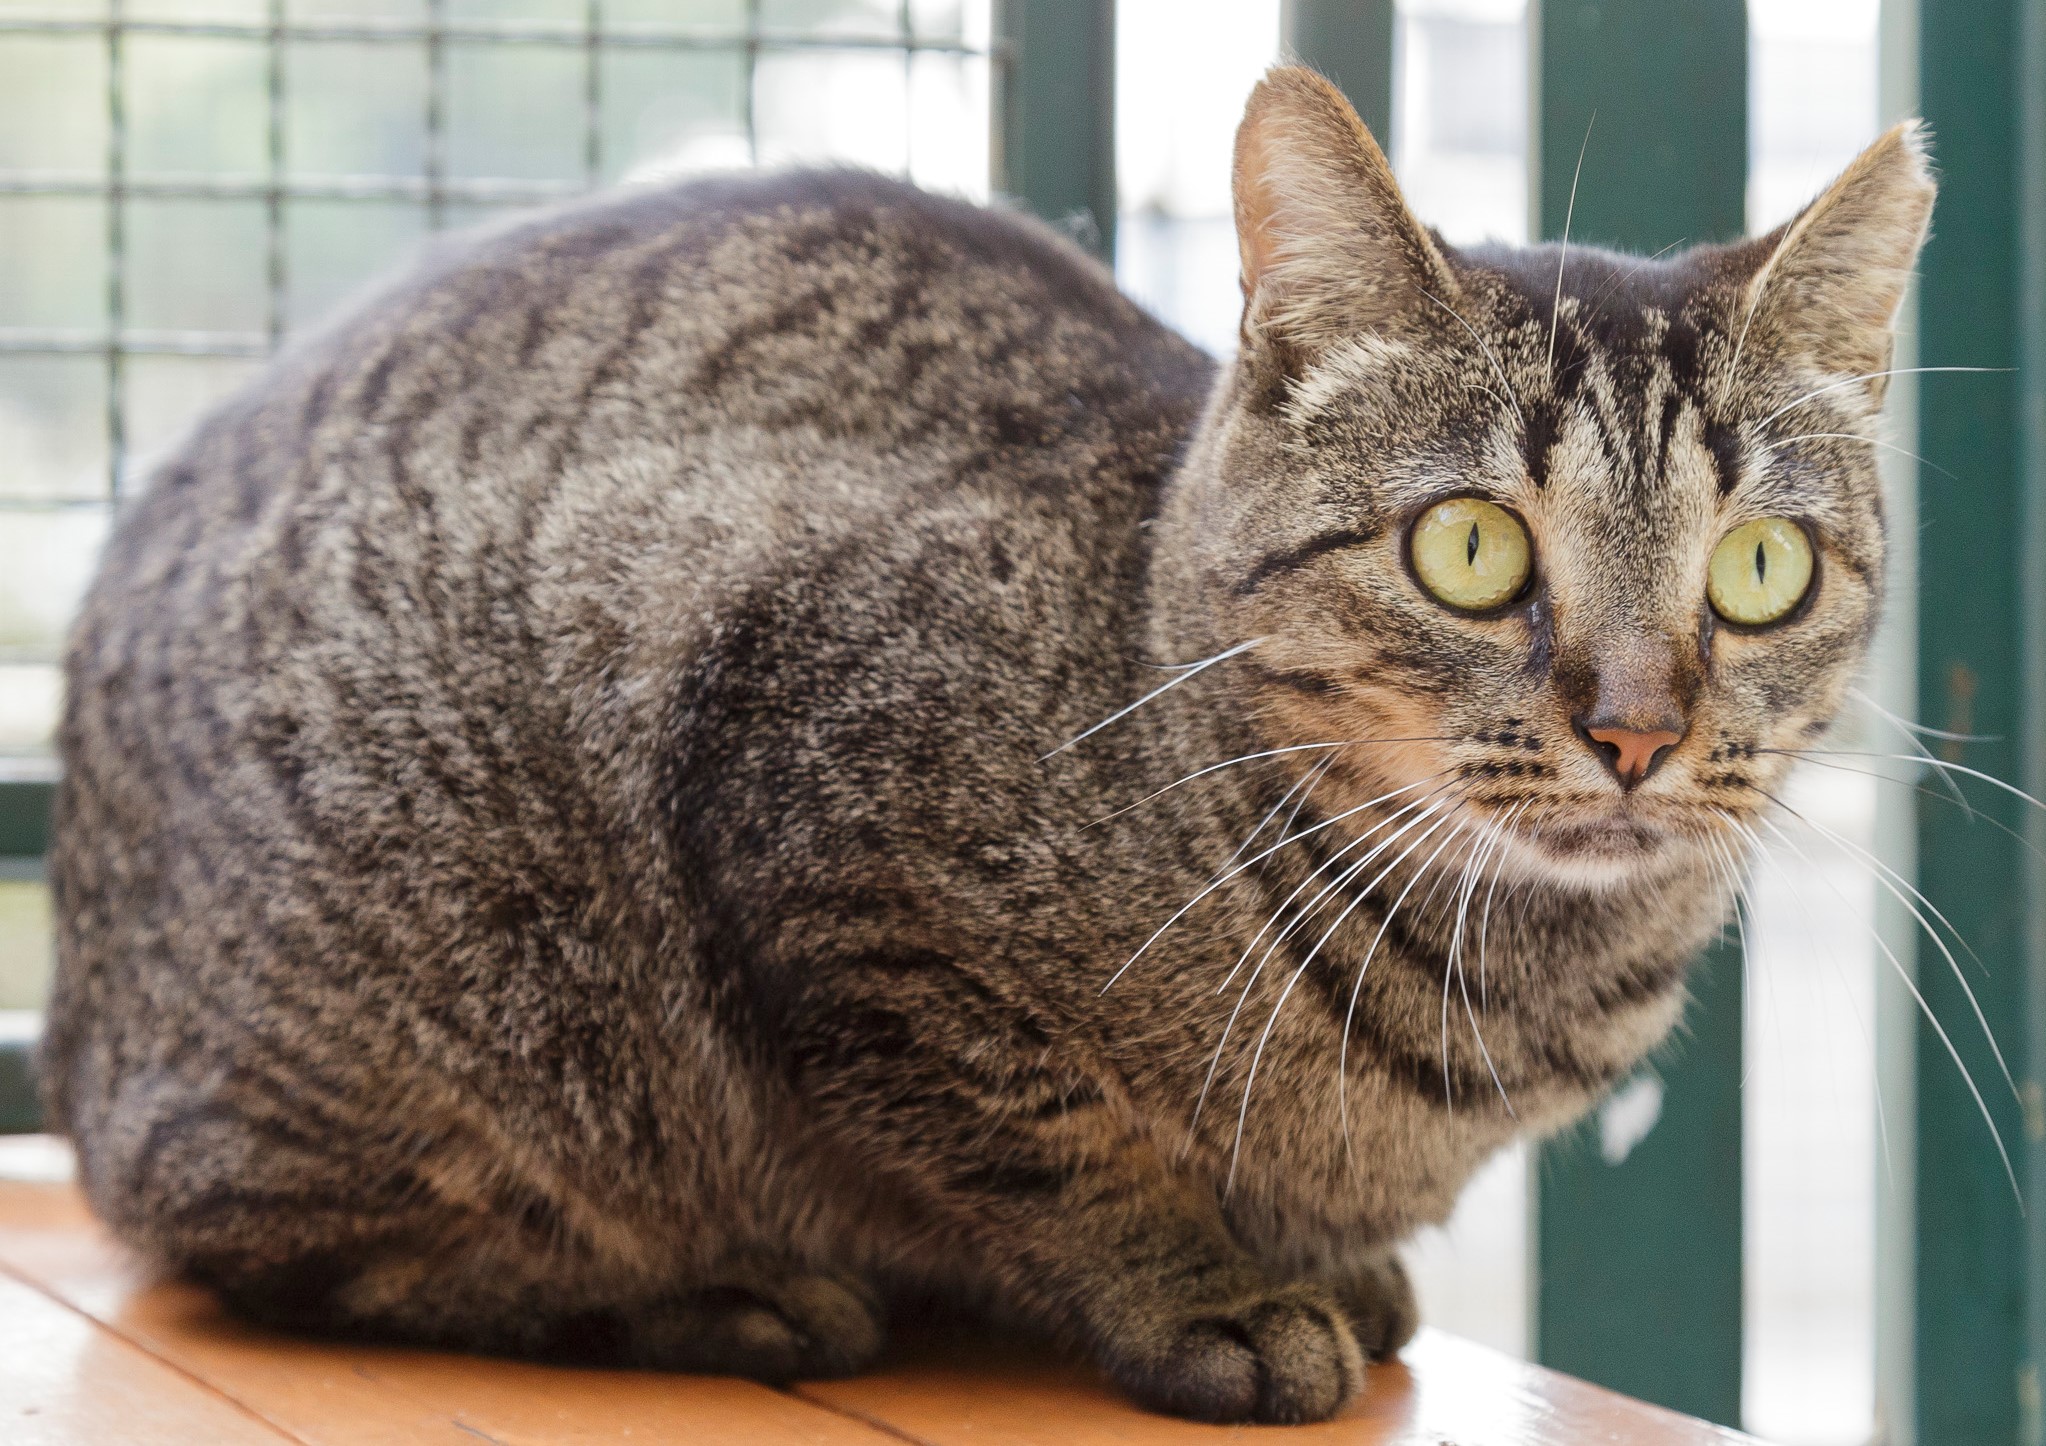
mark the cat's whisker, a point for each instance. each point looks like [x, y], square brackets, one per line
[1338, 745]
[1730, 870]
[1889, 877]
[1306, 794]
[1306, 781]
[1356, 988]
[1307, 882]
[1907, 726]
[1953, 796]
[1494, 846]
[1927, 761]
[1924, 1008]
[1563, 250]
[1847, 992]
[1911, 740]
[1864, 377]
[1880, 872]
[1187, 672]
[1257, 858]
[1221, 1045]
[1485, 918]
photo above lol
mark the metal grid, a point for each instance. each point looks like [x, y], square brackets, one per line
[276, 186]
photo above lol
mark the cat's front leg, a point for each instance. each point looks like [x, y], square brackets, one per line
[1038, 1179]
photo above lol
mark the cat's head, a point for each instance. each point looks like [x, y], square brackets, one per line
[1599, 535]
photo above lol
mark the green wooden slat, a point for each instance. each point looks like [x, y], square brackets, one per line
[1638, 1265]
[19, 1113]
[1350, 42]
[1976, 1272]
[1055, 112]
[24, 818]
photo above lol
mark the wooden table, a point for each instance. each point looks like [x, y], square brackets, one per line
[92, 1352]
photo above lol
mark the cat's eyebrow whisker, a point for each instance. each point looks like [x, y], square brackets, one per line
[1782, 442]
[1865, 377]
[1257, 858]
[1429, 810]
[1252, 757]
[1953, 1052]
[1563, 251]
[1187, 671]
[1499, 371]
[1611, 286]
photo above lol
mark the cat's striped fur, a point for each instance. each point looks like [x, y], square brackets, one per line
[558, 852]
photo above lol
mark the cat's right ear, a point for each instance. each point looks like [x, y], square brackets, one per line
[1329, 248]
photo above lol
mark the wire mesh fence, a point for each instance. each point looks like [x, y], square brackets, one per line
[185, 183]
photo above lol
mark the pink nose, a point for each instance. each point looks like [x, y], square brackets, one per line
[1631, 754]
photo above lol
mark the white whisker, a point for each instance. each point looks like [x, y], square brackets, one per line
[1926, 760]
[1221, 1044]
[1865, 377]
[1563, 251]
[1880, 874]
[1187, 671]
[1350, 1013]
[1953, 1052]
[1498, 370]
[1257, 858]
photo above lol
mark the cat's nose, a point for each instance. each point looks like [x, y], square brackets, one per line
[1631, 753]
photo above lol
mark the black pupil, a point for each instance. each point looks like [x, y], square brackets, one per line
[1761, 564]
[1470, 548]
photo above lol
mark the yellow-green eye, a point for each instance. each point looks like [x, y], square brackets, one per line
[1471, 554]
[1760, 571]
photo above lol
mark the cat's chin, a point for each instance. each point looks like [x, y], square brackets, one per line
[1594, 852]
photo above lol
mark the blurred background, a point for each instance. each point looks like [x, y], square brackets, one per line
[263, 184]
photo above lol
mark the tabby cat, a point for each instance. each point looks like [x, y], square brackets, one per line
[752, 750]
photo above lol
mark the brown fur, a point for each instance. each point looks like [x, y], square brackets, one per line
[565, 846]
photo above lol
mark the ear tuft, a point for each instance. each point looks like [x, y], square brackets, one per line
[1329, 247]
[1836, 275]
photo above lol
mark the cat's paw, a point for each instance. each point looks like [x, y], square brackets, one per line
[795, 1327]
[1283, 1357]
[1379, 1300]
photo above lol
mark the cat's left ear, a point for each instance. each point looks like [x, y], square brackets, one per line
[1328, 245]
[1834, 277]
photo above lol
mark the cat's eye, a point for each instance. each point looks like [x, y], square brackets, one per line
[1471, 554]
[1760, 571]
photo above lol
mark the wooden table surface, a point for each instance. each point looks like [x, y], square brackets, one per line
[92, 1352]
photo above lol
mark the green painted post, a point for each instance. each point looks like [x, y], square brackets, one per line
[24, 837]
[1638, 1263]
[1054, 124]
[24, 817]
[1977, 1272]
[1350, 42]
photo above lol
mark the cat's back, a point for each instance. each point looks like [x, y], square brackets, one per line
[391, 645]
